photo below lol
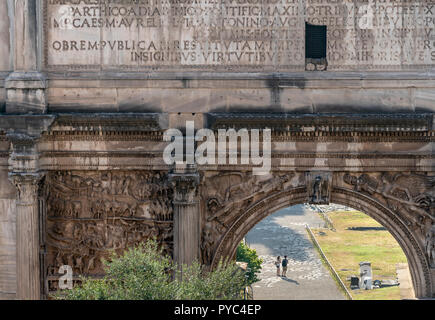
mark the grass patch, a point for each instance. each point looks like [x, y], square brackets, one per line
[346, 248]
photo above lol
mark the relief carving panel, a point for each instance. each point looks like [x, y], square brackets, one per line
[319, 187]
[410, 196]
[226, 195]
[90, 214]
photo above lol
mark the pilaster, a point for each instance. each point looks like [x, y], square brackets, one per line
[23, 132]
[25, 87]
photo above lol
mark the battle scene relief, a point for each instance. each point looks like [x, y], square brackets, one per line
[91, 214]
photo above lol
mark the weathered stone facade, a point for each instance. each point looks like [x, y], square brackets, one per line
[81, 141]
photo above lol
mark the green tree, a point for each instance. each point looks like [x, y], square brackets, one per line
[225, 283]
[144, 273]
[246, 254]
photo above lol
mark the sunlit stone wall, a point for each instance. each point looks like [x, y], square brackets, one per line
[248, 35]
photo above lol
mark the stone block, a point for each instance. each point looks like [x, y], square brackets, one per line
[5, 38]
[25, 93]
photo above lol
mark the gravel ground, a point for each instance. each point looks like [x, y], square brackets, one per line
[283, 233]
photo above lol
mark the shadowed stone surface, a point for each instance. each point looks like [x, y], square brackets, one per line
[405, 281]
[57, 59]
[283, 233]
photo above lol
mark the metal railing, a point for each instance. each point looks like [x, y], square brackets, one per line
[319, 225]
[325, 217]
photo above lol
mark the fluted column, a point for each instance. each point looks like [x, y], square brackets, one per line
[27, 233]
[23, 173]
[23, 132]
[185, 181]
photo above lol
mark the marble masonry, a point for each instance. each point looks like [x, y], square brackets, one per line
[88, 88]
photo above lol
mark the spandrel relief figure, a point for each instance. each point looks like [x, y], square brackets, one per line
[243, 192]
[430, 245]
[318, 187]
[215, 214]
[431, 252]
[362, 183]
[407, 192]
[410, 196]
[225, 204]
[207, 244]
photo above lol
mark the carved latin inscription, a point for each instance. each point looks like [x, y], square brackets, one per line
[236, 34]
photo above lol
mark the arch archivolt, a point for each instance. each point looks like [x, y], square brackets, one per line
[234, 202]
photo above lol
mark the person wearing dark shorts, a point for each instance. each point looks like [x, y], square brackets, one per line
[284, 266]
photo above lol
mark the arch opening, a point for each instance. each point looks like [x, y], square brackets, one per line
[419, 269]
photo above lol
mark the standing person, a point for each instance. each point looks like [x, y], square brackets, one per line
[278, 265]
[284, 266]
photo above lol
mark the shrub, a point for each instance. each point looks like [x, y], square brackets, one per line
[246, 254]
[144, 273]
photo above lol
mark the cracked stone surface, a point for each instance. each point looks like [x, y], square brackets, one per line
[283, 233]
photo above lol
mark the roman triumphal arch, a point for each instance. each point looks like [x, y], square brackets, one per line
[89, 91]
[89, 193]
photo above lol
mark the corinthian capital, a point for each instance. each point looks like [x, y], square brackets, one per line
[27, 185]
[184, 180]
